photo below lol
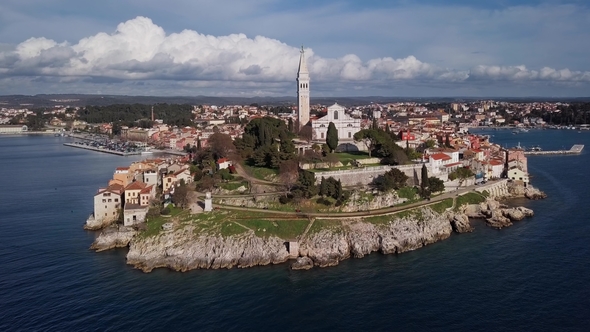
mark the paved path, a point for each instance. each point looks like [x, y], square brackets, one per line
[336, 215]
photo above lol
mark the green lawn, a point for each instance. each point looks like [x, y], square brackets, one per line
[262, 173]
[154, 226]
[320, 224]
[469, 198]
[230, 228]
[349, 156]
[442, 206]
[233, 185]
[284, 229]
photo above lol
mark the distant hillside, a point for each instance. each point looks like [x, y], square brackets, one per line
[104, 100]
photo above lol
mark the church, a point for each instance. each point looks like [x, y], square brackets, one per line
[346, 125]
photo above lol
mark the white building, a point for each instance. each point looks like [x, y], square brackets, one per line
[347, 126]
[8, 129]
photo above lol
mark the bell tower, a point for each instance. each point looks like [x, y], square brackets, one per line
[302, 91]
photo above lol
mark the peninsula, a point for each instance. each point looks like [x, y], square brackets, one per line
[315, 187]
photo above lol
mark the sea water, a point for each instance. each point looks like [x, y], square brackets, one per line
[531, 276]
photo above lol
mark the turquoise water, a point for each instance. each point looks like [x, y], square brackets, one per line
[532, 276]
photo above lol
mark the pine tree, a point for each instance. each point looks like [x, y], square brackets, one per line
[323, 187]
[199, 143]
[338, 190]
[332, 137]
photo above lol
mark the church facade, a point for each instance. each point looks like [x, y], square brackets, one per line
[346, 125]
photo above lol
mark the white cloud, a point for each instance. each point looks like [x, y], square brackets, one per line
[140, 50]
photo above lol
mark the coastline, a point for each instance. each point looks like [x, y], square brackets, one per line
[184, 248]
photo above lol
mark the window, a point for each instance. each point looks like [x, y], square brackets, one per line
[104, 200]
[335, 115]
[109, 200]
[349, 134]
[322, 135]
[105, 214]
[116, 200]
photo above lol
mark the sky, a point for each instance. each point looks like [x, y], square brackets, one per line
[395, 48]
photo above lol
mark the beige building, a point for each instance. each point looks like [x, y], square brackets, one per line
[107, 203]
[516, 174]
[8, 129]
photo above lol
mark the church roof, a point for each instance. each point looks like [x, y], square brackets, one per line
[302, 63]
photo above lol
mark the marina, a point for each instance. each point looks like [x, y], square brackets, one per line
[102, 149]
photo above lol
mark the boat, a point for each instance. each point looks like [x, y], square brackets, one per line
[535, 148]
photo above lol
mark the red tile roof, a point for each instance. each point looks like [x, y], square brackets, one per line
[440, 156]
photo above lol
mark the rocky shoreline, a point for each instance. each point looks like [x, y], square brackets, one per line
[183, 249]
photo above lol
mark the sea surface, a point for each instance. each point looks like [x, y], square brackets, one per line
[533, 276]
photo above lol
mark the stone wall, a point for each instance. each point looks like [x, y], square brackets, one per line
[495, 188]
[366, 175]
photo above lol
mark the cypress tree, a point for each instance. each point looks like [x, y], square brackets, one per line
[424, 183]
[332, 137]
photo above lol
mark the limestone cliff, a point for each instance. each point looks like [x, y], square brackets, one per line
[113, 237]
[185, 248]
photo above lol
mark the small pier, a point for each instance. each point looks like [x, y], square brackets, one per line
[576, 149]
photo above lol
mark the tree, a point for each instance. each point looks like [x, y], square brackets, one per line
[447, 141]
[206, 183]
[370, 137]
[424, 183]
[306, 133]
[332, 137]
[436, 184]
[180, 196]
[306, 184]
[429, 144]
[332, 159]
[393, 179]
[289, 174]
[462, 174]
[287, 146]
[221, 145]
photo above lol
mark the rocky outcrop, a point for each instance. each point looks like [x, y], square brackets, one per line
[460, 223]
[93, 225]
[357, 238]
[182, 250]
[530, 192]
[113, 237]
[496, 214]
[534, 193]
[302, 263]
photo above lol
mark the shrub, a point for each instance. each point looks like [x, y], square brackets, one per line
[285, 199]
[165, 211]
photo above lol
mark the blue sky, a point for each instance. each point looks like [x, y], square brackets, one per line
[250, 48]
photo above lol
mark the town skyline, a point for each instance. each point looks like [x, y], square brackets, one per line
[500, 49]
